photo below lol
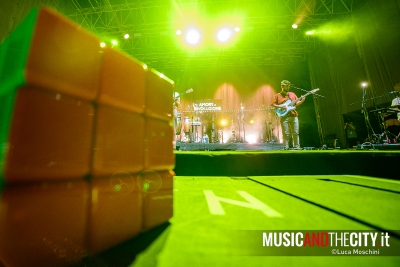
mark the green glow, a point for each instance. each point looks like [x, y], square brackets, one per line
[146, 186]
[117, 187]
[337, 31]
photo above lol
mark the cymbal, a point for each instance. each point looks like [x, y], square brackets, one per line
[383, 111]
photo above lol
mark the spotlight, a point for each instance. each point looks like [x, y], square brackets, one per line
[114, 42]
[192, 36]
[178, 32]
[364, 84]
[126, 36]
[310, 32]
[145, 66]
[237, 29]
[224, 34]
[251, 138]
[294, 26]
[102, 44]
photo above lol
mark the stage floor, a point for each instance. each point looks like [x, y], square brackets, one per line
[203, 230]
[223, 200]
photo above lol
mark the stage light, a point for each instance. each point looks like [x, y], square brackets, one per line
[364, 84]
[126, 36]
[114, 42]
[237, 29]
[251, 138]
[294, 26]
[178, 32]
[162, 75]
[102, 44]
[310, 32]
[224, 34]
[192, 36]
[145, 66]
[223, 122]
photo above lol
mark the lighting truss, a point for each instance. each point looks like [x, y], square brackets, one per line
[267, 38]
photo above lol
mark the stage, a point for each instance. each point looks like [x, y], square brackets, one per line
[268, 146]
[375, 163]
[228, 146]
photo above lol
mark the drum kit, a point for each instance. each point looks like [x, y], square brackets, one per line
[201, 127]
[389, 116]
[191, 129]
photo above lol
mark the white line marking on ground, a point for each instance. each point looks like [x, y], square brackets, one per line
[214, 204]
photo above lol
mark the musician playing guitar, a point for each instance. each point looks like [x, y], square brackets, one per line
[289, 121]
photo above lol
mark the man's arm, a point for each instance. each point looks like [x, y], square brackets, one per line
[275, 105]
[302, 99]
[278, 106]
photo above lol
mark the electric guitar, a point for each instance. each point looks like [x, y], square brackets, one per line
[184, 93]
[291, 105]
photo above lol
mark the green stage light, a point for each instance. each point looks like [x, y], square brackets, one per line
[311, 32]
[126, 36]
[294, 26]
[102, 44]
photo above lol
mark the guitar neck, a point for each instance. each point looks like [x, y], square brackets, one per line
[184, 93]
[298, 99]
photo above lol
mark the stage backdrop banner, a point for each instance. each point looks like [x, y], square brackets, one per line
[208, 105]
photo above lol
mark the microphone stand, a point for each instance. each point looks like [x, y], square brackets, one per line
[191, 137]
[364, 110]
[242, 119]
[265, 127]
[238, 117]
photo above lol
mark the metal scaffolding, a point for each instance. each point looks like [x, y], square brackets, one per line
[267, 36]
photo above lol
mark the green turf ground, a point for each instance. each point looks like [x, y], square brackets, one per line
[200, 233]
